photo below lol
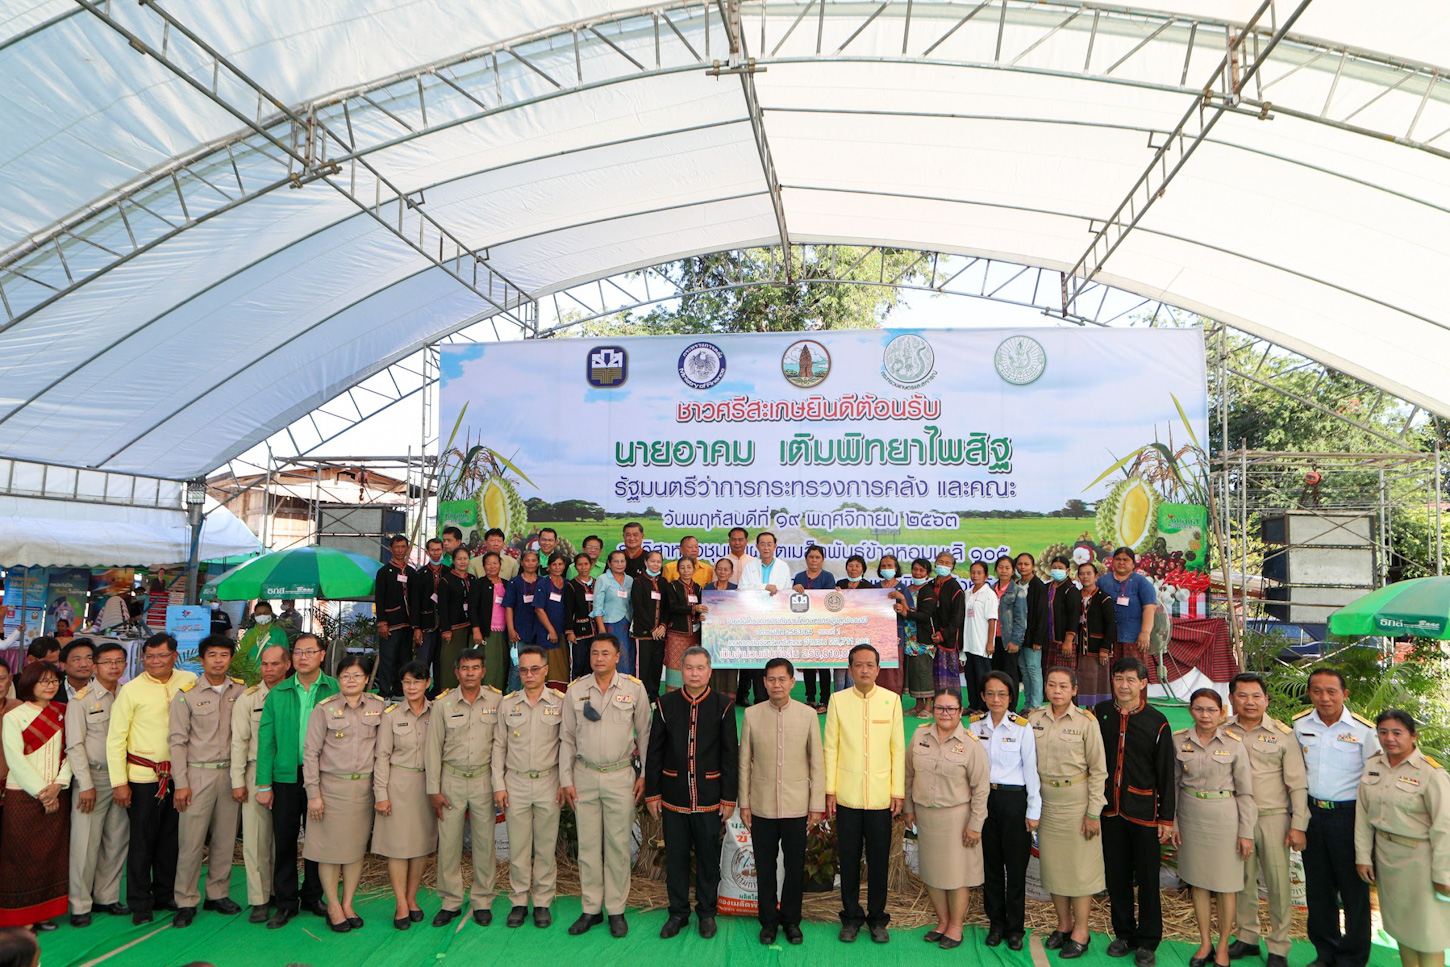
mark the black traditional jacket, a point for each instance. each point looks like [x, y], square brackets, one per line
[693, 760]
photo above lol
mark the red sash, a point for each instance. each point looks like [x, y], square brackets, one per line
[44, 728]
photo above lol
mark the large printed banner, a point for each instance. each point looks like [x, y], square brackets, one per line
[981, 442]
[814, 629]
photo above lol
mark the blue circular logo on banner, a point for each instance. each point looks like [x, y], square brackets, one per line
[702, 365]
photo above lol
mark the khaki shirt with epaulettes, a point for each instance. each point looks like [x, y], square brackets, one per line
[87, 722]
[1069, 751]
[402, 744]
[201, 725]
[1408, 803]
[1281, 783]
[246, 718]
[1219, 769]
[608, 744]
[950, 772]
[460, 735]
[342, 740]
[526, 745]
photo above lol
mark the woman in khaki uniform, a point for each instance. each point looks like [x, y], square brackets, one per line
[946, 796]
[405, 830]
[1402, 840]
[337, 773]
[1074, 772]
[1214, 829]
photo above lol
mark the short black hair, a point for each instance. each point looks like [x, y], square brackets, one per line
[778, 662]
[851, 655]
[997, 676]
[980, 564]
[731, 532]
[1326, 670]
[815, 548]
[769, 534]
[950, 691]
[353, 660]
[1247, 678]
[633, 523]
[299, 639]
[923, 563]
[160, 638]
[1062, 670]
[532, 649]
[470, 654]
[550, 530]
[418, 669]
[1132, 555]
[1061, 559]
[215, 641]
[1030, 559]
[595, 538]
[109, 646]
[605, 637]
[77, 643]
[397, 537]
[42, 646]
[1398, 715]
[453, 532]
[431, 541]
[1130, 664]
[492, 531]
[1206, 693]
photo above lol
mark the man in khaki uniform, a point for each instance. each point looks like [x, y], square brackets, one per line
[201, 749]
[526, 779]
[459, 781]
[256, 818]
[1281, 786]
[782, 793]
[98, 833]
[604, 737]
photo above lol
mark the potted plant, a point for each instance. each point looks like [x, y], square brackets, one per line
[821, 864]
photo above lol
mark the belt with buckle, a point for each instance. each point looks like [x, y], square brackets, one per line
[408, 768]
[999, 785]
[349, 775]
[1275, 811]
[472, 772]
[1208, 795]
[1402, 840]
[536, 775]
[612, 767]
[1059, 783]
[224, 764]
[1331, 804]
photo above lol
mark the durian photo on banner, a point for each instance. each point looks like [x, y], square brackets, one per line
[980, 442]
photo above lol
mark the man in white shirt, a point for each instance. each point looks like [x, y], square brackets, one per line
[772, 574]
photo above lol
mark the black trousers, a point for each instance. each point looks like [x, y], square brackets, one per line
[687, 834]
[818, 685]
[974, 667]
[1004, 662]
[579, 655]
[1133, 860]
[769, 837]
[151, 858]
[750, 678]
[1331, 882]
[649, 665]
[871, 829]
[394, 651]
[1006, 846]
[289, 812]
[430, 649]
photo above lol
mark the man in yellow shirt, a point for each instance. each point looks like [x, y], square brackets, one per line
[690, 547]
[138, 759]
[865, 748]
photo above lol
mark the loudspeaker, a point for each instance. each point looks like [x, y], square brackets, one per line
[360, 528]
[1319, 561]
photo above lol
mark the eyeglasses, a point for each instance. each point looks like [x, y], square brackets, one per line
[356, 677]
[531, 669]
[948, 709]
[305, 654]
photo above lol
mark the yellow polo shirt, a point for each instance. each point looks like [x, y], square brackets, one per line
[865, 749]
[141, 723]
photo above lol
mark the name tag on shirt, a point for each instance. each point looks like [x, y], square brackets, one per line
[589, 596]
[691, 598]
[402, 579]
[1223, 753]
[1122, 599]
[556, 597]
[654, 595]
[528, 599]
[433, 598]
[971, 611]
[621, 594]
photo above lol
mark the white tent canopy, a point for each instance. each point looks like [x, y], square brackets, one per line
[187, 268]
[41, 532]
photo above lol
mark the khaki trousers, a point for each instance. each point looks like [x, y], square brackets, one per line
[471, 799]
[256, 843]
[98, 842]
[210, 819]
[1271, 858]
[533, 825]
[605, 815]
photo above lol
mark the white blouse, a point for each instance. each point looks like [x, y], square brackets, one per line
[32, 773]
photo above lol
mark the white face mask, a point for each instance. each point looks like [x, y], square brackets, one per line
[263, 618]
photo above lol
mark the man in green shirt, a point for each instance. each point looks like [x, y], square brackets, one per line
[280, 735]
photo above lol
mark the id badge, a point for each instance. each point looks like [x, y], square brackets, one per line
[1123, 600]
[654, 595]
[589, 596]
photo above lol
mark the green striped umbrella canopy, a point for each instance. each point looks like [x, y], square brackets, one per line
[301, 572]
[1419, 607]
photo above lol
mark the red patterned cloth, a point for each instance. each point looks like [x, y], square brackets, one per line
[1201, 643]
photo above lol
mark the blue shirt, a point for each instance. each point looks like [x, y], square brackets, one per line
[820, 582]
[544, 597]
[1335, 755]
[611, 599]
[1138, 591]
[520, 597]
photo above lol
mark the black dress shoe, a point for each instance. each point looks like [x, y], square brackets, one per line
[793, 933]
[280, 918]
[444, 917]
[80, 919]
[1071, 949]
[949, 943]
[317, 908]
[144, 917]
[1119, 948]
[1278, 960]
[585, 921]
[114, 909]
[1144, 958]
[416, 916]
[1014, 942]
[517, 916]
[672, 927]
[184, 917]
[707, 927]
[342, 927]
[542, 917]
[483, 917]
[44, 926]
[258, 914]
[356, 922]
[849, 932]
[1239, 949]
[1054, 940]
[618, 926]
[402, 923]
[994, 937]
[932, 936]
[224, 905]
[767, 935]
[880, 934]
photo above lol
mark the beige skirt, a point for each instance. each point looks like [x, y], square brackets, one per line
[1071, 864]
[1411, 913]
[412, 829]
[341, 835]
[945, 863]
[1208, 858]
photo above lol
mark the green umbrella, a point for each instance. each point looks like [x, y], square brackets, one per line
[302, 572]
[1419, 607]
